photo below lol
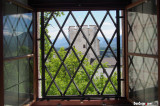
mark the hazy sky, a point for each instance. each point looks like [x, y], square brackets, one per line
[108, 27]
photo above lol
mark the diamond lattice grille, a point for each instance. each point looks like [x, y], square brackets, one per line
[73, 70]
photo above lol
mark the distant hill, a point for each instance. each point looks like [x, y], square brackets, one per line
[63, 42]
[113, 44]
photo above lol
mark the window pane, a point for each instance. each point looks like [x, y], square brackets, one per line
[18, 74]
[142, 39]
[143, 78]
[142, 30]
[17, 31]
[11, 96]
[10, 74]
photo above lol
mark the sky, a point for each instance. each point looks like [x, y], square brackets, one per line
[108, 27]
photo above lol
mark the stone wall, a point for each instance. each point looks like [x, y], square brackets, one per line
[81, 44]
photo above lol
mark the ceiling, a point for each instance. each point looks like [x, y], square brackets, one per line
[78, 4]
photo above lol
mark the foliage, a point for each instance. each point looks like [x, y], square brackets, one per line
[81, 79]
[71, 63]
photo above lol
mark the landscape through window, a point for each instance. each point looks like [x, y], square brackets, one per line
[81, 53]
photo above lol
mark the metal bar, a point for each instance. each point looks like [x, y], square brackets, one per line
[143, 55]
[63, 60]
[112, 20]
[74, 50]
[89, 43]
[103, 35]
[81, 62]
[101, 60]
[1, 56]
[42, 54]
[64, 67]
[54, 81]
[123, 91]
[85, 54]
[35, 47]
[69, 49]
[108, 80]
[57, 37]
[18, 57]
[98, 66]
[118, 53]
[91, 46]
[48, 20]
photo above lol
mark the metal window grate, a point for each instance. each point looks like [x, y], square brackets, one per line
[44, 56]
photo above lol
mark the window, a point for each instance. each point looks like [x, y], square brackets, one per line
[84, 46]
[18, 61]
[71, 72]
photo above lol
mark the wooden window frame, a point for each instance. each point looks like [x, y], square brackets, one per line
[34, 55]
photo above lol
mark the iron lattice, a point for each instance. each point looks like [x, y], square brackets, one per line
[90, 77]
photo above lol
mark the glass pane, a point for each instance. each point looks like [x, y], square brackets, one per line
[142, 39]
[24, 92]
[143, 78]
[23, 70]
[18, 74]
[10, 74]
[11, 96]
[142, 30]
[17, 31]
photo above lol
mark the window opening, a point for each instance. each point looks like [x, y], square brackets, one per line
[68, 70]
[84, 46]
